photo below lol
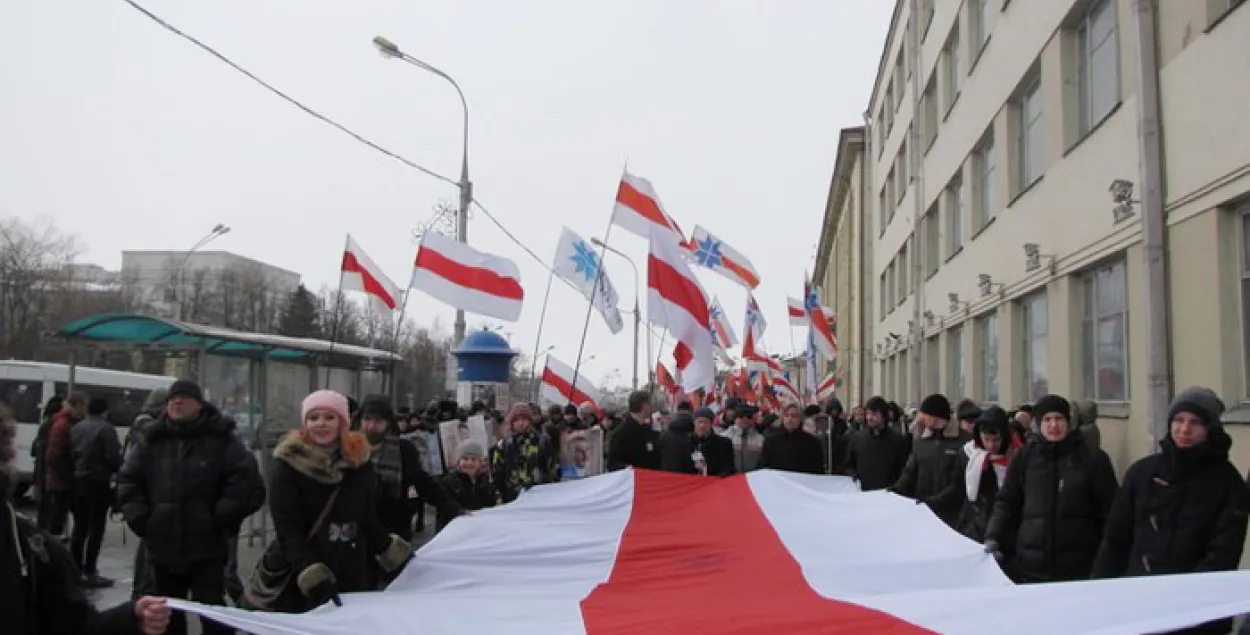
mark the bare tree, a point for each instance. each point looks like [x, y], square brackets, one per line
[33, 259]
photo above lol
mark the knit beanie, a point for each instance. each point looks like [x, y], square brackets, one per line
[936, 405]
[468, 448]
[185, 388]
[968, 410]
[704, 413]
[1049, 404]
[811, 411]
[518, 410]
[1200, 402]
[325, 400]
[570, 409]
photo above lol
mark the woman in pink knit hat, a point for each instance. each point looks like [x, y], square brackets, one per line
[523, 459]
[322, 496]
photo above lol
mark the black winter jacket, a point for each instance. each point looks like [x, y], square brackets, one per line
[876, 457]
[351, 534]
[932, 474]
[678, 445]
[469, 493]
[792, 451]
[1049, 516]
[396, 501]
[1180, 511]
[96, 451]
[48, 600]
[187, 487]
[633, 444]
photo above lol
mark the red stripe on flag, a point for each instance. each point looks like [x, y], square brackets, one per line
[476, 278]
[749, 278]
[574, 395]
[796, 312]
[698, 555]
[682, 355]
[644, 206]
[678, 289]
[372, 286]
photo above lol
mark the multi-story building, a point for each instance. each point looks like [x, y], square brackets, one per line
[1004, 267]
[197, 285]
[843, 269]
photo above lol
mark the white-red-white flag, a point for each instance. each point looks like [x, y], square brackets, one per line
[468, 279]
[819, 322]
[796, 312]
[558, 388]
[827, 387]
[785, 390]
[676, 302]
[360, 273]
[722, 331]
[638, 210]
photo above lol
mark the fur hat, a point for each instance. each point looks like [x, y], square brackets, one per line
[1052, 404]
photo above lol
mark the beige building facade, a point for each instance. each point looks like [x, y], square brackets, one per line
[843, 269]
[1001, 266]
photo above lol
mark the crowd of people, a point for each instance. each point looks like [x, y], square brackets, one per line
[348, 488]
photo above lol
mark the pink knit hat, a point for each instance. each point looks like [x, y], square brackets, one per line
[519, 410]
[326, 400]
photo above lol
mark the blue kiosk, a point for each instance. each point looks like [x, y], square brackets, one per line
[484, 366]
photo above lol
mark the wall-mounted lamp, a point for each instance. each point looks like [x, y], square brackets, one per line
[929, 318]
[956, 305]
[894, 337]
[1122, 195]
[987, 285]
[1033, 257]
[880, 349]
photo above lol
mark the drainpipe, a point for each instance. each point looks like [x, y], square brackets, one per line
[866, 314]
[1153, 221]
[915, 335]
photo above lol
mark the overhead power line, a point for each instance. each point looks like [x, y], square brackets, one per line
[347, 131]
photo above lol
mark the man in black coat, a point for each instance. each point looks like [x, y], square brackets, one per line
[931, 475]
[1183, 510]
[403, 485]
[185, 490]
[791, 448]
[633, 443]
[691, 446]
[877, 452]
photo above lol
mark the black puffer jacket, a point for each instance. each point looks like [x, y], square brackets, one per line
[469, 493]
[1049, 516]
[187, 487]
[876, 457]
[1180, 511]
[675, 445]
[793, 451]
[300, 484]
[932, 474]
[633, 444]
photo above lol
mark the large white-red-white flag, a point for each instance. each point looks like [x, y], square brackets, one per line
[360, 273]
[467, 279]
[641, 551]
[676, 302]
[558, 388]
[638, 210]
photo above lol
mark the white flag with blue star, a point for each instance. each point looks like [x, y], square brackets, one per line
[578, 262]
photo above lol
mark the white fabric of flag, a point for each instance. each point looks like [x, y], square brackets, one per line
[578, 262]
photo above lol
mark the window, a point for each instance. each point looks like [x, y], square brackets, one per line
[904, 273]
[883, 206]
[904, 376]
[1244, 214]
[1036, 329]
[954, 74]
[125, 404]
[929, 115]
[881, 126]
[926, 17]
[983, 14]
[888, 107]
[1030, 144]
[1098, 65]
[24, 397]
[900, 72]
[983, 164]
[955, 363]
[1104, 334]
[883, 297]
[901, 189]
[889, 199]
[954, 215]
[987, 336]
[932, 227]
[933, 366]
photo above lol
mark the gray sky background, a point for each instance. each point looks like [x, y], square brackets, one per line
[133, 138]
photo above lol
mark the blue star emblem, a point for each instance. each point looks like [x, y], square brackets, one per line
[708, 253]
[586, 260]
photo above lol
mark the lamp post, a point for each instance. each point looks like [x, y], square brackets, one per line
[217, 231]
[535, 383]
[391, 50]
[637, 313]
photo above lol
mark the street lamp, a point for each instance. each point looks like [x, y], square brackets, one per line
[390, 50]
[179, 296]
[637, 313]
[534, 381]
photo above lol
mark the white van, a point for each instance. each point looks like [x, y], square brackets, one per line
[27, 386]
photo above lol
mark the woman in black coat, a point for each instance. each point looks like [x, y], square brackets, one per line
[324, 468]
[983, 468]
[1049, 516]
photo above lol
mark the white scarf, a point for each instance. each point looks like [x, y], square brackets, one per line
[976, 464]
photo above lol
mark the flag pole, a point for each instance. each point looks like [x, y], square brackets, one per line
[590, 304]
[338, 313]
[542, 317]
[395, 363]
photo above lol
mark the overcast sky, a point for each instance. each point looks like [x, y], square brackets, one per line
[133, 138]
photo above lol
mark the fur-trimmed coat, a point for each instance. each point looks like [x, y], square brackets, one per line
[301, 480]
